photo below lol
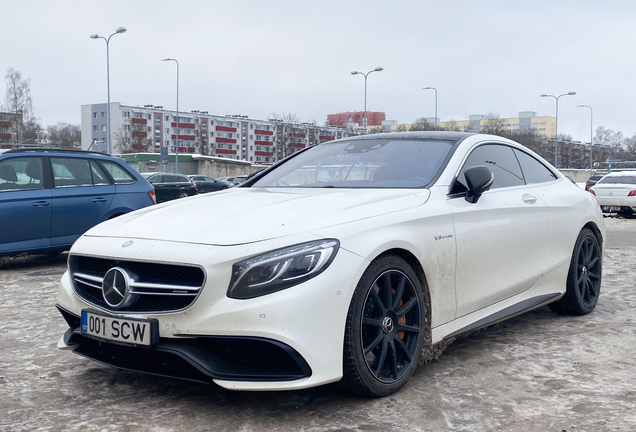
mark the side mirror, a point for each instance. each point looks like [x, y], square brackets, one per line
[478, 179]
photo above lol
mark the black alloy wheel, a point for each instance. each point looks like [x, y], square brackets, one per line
[584, 277]
[386, 329]
[183, 194]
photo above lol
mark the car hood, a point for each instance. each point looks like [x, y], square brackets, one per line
[247, 215]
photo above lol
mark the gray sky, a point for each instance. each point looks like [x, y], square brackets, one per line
[262, 57]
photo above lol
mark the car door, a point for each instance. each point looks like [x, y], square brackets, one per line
[81, 197]
[25, 205]
[501, 239]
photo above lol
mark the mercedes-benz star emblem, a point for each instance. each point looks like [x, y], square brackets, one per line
[116, 288]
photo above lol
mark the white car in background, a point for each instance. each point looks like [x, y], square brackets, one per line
[348, 261]
[616, 193]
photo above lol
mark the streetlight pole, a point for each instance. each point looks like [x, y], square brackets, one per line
[176, 156]
[433, 88]
[556, 128]
[364, 118]
[96, 36]
[591, 131]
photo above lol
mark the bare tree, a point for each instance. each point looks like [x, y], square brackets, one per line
[421, 124]
[18, 99]
[65, 135]
[202, 137]
[289, 134]
[133, 137]
[453, 126]
[495, 125]
[401, 128]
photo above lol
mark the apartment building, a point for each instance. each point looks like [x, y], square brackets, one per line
[356, 118]
[10, 122]
[527, 121]
[149, 127]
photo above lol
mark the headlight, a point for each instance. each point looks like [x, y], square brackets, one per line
[280, 269]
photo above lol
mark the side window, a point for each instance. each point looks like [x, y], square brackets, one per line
[118, 173]
[154, 179]
[533, 170]
[182, 179]
[502, 162]
[169, 178]
[208, 179]
[68, 172]
[99, 178]
[21, 174]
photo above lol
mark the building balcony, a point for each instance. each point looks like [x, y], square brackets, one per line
[263, 132]
[183, 125]
[5, 123]
[263, 153]
[224, 151]
[297, 135]
[225, 140]
[139, 134]
[139, 121]
[264, 143]
[225, 129]
[184, 137]
[5, 136]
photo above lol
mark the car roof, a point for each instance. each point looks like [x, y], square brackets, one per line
[54, 150]
[439, 135]
[621, 174]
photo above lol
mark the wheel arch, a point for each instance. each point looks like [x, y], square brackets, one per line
[597, 232]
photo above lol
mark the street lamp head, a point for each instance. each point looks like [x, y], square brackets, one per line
[571, 93]
[379, 69]
[355, 73]
[544, 95]
[121, 30]
[94, 36]
[167, 59]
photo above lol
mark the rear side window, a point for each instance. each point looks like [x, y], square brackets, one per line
[118, 174]
[169, 178]
[183, 179]
[69, 172]
[21, 174]
[99, 178]
[533, 170]
[502, 162]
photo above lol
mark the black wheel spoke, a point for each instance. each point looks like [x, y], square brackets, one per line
[376, 301]
[593, 262]
[380, 362]
[374, 343]
[399, 343]
[579, 281]
[392, 359]
[387, 292]
[590, 251]
[408, 328]
[399, 292]
[593, 276]
[406, 307]
[373, 322]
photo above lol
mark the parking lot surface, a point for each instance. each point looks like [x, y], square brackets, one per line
[539, 371]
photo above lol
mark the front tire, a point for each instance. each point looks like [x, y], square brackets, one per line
[584, 277]
[386, 329]
[183, 195]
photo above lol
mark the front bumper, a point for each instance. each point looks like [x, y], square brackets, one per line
[290, 339]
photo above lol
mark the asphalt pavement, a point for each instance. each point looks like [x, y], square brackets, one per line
[539, 372]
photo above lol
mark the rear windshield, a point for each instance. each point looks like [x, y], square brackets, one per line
[372, 163]
[630, 180]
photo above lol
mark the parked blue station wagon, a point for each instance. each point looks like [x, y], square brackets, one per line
[50, 197]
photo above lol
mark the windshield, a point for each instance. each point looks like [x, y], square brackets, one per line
[630, 180]
[370, 163]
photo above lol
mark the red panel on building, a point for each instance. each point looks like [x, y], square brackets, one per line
[138, 147]
[225, 151]
[374, 118]
[297, 135]
[263, 143]
[5, 123]
[263, 153]
[225, 129]
[263, 132]
[139, 121]
[300, 145]
[139, 134]
[5, 136]
[327, 137]
[225, 140]
[183, 125]
[184, 137]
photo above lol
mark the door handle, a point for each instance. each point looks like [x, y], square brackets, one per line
[41, 203]
[529, 199]
[99, 200]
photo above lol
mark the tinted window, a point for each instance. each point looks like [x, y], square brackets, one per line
[182, 179]
[368, 163]
[207, 179]
[619, 180]
[166, 178]
[533, 170]
[21, 174]
[118, 174]
[99, 178]
[502, 162]
[154, 179]
[71, 172]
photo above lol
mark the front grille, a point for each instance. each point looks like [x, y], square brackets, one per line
[158, 287]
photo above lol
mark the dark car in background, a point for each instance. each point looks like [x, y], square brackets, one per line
[169, 186]
[592, 181]
[233, 181]
[50, 197]
[208, 184]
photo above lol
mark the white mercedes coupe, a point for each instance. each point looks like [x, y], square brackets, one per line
[351, 261]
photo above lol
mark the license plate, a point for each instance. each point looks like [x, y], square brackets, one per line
[613, 208]
[124, 331]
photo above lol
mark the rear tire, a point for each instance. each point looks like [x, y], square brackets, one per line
[183, 195]
[584, 277]
[386, 329]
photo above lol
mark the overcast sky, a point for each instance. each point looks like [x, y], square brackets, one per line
[261, 57]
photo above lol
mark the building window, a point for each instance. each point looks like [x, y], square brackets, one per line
[103, 114]
[211, 134]
[167, 118]
[167, 130]
[95, 128]
[95, 114]
[125, 114]
[138, 115]
[251, 137]
[149, 116]
[125, 127]
[103, 128]
[149, 129]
